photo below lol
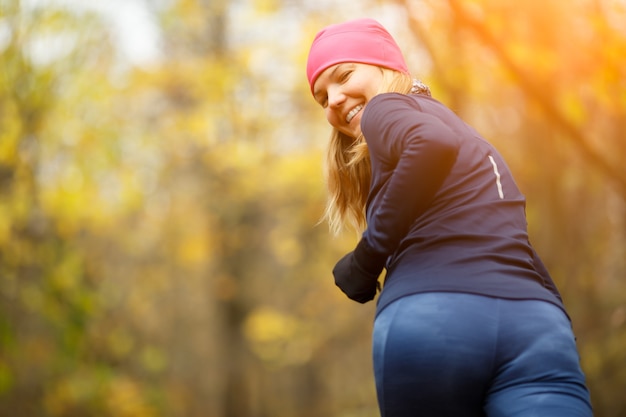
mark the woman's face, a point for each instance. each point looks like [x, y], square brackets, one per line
[344, 90]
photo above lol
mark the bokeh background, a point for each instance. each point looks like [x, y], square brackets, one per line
[161, 185]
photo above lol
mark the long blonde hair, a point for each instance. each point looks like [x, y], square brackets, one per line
[348, 168]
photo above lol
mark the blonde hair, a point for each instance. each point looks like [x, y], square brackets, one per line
[348, 169]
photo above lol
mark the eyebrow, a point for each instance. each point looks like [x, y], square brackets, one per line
[316, 93]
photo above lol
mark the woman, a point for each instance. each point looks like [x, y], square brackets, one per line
[469, 322]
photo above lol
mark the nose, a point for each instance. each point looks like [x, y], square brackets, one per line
[335, 98]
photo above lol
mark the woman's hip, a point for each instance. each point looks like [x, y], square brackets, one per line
[471, 350]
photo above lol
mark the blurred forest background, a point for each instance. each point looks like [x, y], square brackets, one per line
[161, 184]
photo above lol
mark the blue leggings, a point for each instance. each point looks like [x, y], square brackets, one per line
[464, 355]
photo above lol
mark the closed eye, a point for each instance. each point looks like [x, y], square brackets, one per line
[344, 76]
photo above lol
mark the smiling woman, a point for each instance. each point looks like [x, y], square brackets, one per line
[348, 65]
[343, 90]
[469, 322]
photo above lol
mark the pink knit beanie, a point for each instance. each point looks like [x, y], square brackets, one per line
[362, 40]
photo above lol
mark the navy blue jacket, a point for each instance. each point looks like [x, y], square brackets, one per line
[443, 212]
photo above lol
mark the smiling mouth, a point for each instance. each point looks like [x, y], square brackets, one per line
[353, 113]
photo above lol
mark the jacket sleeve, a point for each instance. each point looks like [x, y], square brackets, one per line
[423, 149]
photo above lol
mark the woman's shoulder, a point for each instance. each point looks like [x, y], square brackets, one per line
[382, 104]
[398, 100]
[392, 98]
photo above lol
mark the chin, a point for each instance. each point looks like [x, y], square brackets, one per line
[356, 132]
[352, 134]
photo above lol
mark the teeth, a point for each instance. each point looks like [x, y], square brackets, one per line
[353, 113]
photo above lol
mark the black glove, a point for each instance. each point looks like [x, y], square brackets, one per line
[357, 273]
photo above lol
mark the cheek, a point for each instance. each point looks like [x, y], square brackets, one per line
[332, 118]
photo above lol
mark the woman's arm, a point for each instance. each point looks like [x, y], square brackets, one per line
[425, 149]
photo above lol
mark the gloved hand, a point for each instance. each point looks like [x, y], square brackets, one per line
[357, 273]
